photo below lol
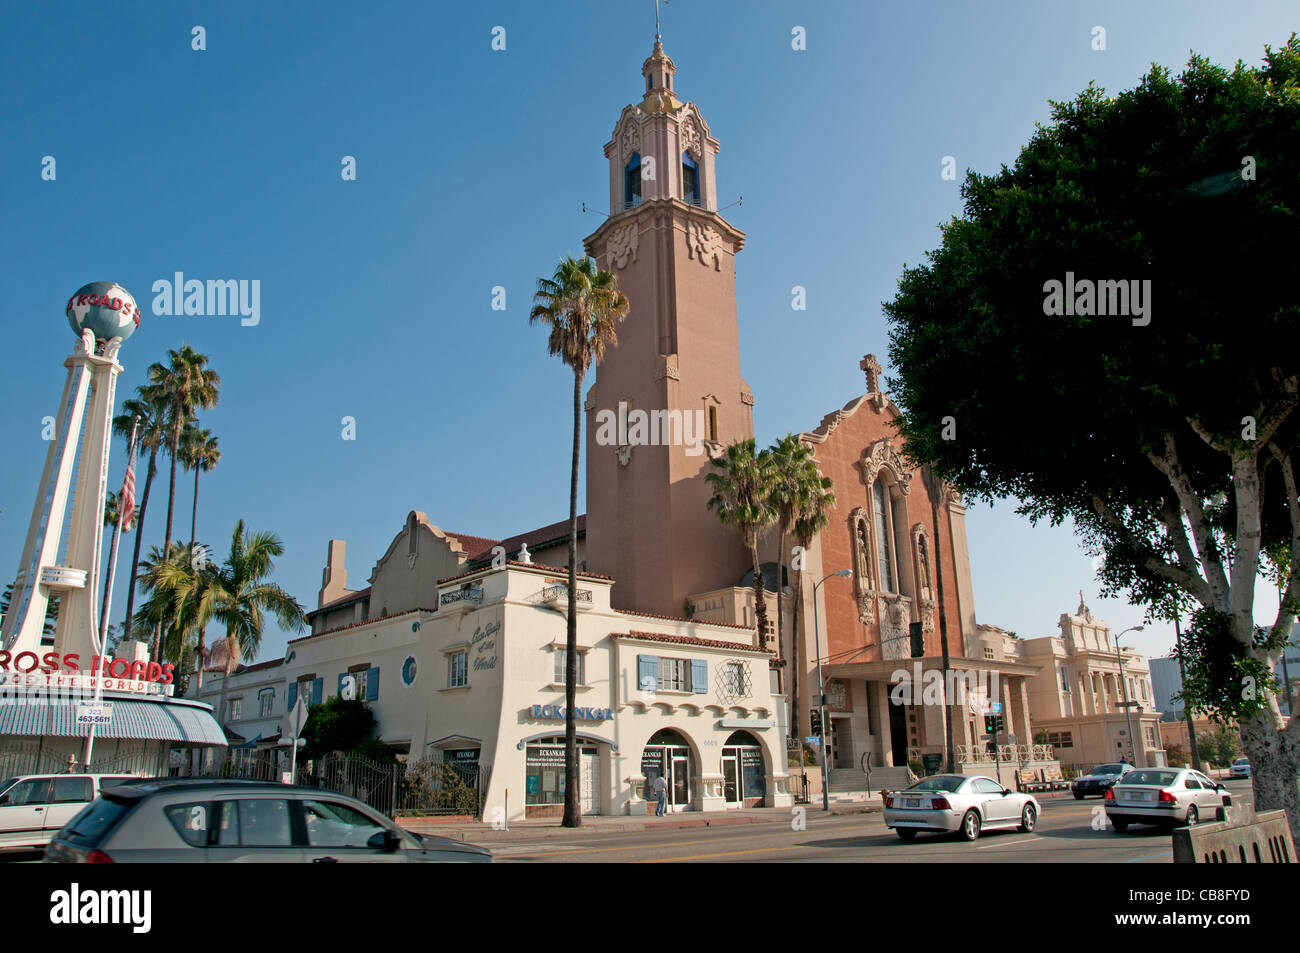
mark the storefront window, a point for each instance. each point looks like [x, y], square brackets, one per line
[743, 775]
[666, 754]
[544, 774]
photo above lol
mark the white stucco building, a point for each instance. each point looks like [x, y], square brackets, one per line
[469, 666]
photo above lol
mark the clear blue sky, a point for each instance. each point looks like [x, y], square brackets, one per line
[472, 166]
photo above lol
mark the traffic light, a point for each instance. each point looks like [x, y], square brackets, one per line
[918, 640]
[993, 724]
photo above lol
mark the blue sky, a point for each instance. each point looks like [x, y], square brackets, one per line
[472, 167]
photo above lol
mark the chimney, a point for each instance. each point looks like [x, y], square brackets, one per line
[334, 580]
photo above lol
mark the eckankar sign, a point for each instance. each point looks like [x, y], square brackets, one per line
[580, 714]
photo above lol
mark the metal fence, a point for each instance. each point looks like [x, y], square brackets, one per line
[33, 757]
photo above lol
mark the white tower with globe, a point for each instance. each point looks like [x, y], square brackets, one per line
[102, 315]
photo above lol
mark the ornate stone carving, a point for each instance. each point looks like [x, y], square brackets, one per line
[883, 455]
[667, 367]
[894, 643]
[691, 138]
[623, 244]
[630, 138]
[624, 454]
[704, 244]
[871, 367]
[747, 398]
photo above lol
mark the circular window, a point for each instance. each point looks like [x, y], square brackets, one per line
[408, 670]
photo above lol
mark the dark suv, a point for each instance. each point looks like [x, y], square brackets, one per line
[1100, 779]
[218, 820]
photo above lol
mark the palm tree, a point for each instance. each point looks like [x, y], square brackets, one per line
[186, 385]
[166, 583]
[151, 412]
[581, 306]
[796, 482]
[199, 453]
[812, 517]
[237, 594]
[740, 498]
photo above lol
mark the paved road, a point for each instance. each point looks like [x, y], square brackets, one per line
[1068, 831]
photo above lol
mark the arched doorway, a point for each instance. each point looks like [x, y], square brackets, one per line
[544, 778]
[744, 778]
[668, 755]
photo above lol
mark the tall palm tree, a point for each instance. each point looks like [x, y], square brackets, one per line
[164, 581]
[812, 517]
[741, 500]
[151, 412]
[199, 452]
[581, 306]
[187, 385]
[795, 482]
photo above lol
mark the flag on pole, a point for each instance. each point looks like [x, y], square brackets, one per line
[127, 500]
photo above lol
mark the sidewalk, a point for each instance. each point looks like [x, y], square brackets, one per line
[480, 832]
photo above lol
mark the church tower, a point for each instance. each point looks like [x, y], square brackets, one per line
[678, 354]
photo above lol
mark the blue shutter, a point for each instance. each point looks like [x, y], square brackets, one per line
[342, 675]
[372, 684]
[699, 676]
[293, 697]
[647, 673]
[316, 688]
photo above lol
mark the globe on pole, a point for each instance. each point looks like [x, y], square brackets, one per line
[106, 308]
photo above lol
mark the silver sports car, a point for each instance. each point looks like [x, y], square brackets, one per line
[959, 802]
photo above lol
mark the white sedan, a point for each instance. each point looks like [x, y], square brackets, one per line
[1165, 796]
[959, 802]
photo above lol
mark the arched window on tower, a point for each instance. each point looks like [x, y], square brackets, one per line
[690, 180]
[632, 181]
[885, 547]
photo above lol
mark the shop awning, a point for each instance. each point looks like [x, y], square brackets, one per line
[133, 718]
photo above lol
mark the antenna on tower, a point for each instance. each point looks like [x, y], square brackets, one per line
[657, 19]
[739, 201]
[585, 209]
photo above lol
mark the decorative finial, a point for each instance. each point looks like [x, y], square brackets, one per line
[524, 555]
[1083, 609]
[871, 366]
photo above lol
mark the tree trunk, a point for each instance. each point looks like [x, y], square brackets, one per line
[795, 727]
[194, 511]
[950, 752]
[572, 805]
[780, 602]
[139, 533]
[108, 581]
[1274, 754]
[171, 502]
[760, 600]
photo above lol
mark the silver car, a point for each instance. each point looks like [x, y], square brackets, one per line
[959, 802]
[212, 820]
[1165, 796]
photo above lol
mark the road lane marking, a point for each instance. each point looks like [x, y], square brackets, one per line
[550, 852]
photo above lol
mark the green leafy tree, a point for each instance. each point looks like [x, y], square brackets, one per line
[741, 482]
[337, 724]
[1166, 433]
[580, 306]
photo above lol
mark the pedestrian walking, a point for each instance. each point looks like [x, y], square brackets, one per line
[661, 795]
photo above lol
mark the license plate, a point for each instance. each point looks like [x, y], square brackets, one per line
[1137, 796]
[912, 802]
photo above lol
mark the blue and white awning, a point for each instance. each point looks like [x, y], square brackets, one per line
[161, 719]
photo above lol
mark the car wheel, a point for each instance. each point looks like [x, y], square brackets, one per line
[1193, 816]
[1078, 796]
[905, 833]
[970, 825]
[1028, 819]
[1120, 826]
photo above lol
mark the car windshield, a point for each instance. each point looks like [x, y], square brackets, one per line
[1242, 761]
[946, 783]
[1108, 769]
[1161, 778]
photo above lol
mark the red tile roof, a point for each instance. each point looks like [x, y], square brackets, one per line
[687, 640]
[474, 545]
[539, 538]
[682, 618]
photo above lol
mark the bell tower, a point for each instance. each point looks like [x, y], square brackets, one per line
[672, 384]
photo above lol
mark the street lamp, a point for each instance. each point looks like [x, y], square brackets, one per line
[821, 691]
[1123, 687]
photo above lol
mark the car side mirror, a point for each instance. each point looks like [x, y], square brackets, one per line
[385, 840]
[1006, 791]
